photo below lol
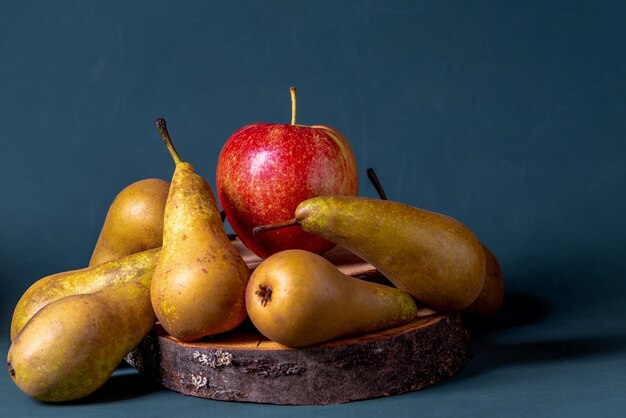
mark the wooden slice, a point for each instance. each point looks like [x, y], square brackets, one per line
[242, 365]
[249, 368]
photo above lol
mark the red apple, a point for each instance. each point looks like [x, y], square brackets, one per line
[265, 170]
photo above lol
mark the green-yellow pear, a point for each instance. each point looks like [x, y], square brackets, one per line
[199, 283]
[72, 345]
[298, 298]
[435, 258]
[134, 221]
[86, 280]
[491, 296]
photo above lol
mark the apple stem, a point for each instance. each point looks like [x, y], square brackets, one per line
[371, 174]
[292, 91]
[165, 136]
[284, 224]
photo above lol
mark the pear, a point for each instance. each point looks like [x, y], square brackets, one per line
[72, 345]
[199, 283]
[435, 258]
[298, 298]
[86, 280]
[134, 221]
[492, 294]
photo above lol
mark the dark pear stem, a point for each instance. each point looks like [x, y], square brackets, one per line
[371, 174]
[165, 136]
[278, 225]
[292, 91]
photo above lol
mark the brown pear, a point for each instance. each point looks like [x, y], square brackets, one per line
[434, 257]
[492, 294]
[199, 283]
[134, 221]
[86, 280]
[72, 345]
[298, 298]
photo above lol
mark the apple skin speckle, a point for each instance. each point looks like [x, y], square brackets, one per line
[265, 170]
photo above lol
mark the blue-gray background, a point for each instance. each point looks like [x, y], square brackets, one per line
[510, 116]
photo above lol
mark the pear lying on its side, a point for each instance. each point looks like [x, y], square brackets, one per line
[435, 258]
[298, 298]
[87, 280]
[72, 346]
[134, 221]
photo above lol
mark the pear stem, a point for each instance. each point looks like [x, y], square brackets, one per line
[165, 136]
[278, 225]
[371, 174]
[292, 91]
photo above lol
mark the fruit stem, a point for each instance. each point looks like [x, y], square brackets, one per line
[292, 91]
[277, 225]
[371, 174]
[165, 136]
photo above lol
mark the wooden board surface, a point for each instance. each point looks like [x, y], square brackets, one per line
[246, 367]
[242, 365]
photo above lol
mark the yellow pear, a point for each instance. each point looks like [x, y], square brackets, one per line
[434, 257]
[199, 283]
[134, 221]
[299, 298]
[72, 345]
[86, 280]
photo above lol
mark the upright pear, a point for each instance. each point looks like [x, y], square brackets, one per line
[134, 221]
[72, 345]
[87, 280]
[435, 258]
[298, 298]
[199, 283]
